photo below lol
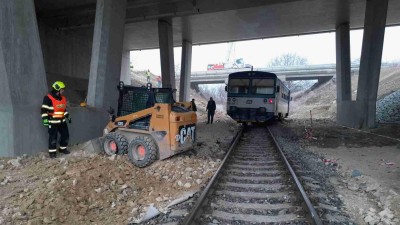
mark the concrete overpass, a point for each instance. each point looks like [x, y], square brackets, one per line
[87, 43]
[307, 72]
[321, 73]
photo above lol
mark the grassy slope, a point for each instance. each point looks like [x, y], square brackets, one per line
[322, 100]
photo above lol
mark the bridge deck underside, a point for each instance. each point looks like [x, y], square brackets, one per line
[208, 21]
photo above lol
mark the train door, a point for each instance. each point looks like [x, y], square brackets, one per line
[277, 97]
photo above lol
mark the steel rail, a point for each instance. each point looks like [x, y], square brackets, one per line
[314, 215]
[190, 219]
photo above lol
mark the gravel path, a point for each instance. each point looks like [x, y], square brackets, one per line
[315, 177]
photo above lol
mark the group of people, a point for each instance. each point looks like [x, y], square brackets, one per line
[211, 107]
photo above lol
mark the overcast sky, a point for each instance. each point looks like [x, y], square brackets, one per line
[317, 48]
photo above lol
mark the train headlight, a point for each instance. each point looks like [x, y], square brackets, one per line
[232, 101]
[271, 101]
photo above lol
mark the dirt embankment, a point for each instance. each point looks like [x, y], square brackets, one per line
[320, 103]
[92, 188]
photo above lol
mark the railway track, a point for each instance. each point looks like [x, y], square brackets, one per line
[253, 185]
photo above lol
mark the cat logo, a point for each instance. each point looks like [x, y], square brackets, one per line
[185, 132]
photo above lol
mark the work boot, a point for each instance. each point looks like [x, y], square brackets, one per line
[53, 155]
[64, 151]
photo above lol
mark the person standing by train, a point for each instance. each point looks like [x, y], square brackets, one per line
[211, 107]
[193, 105]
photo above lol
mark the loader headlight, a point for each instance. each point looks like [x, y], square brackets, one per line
[105, 131]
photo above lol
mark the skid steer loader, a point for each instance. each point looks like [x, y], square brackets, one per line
[149, 125]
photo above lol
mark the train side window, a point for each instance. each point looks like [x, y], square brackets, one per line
[238, 90]
[262, 86]
[239, 86]
[243, 90]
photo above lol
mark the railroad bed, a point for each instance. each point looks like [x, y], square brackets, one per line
[253, 186]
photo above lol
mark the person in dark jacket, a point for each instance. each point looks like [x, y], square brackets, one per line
[211, 107]
[193, 105]
[55, 115]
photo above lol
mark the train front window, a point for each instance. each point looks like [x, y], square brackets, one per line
[263, 86]
[239, 86]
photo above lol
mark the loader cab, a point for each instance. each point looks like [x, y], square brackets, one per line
[133, 99]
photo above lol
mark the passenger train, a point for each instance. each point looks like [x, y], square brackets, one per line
[255, 96]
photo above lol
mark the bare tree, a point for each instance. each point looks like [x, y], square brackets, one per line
[216, 91]
[292, 59]
[288, 59]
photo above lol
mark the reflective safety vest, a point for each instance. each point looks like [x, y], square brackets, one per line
[59, 106]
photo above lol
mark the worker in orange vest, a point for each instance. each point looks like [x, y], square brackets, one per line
[55, 116]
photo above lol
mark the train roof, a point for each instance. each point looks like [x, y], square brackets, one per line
[252, 74]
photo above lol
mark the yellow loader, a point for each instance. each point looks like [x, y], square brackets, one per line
[149, 125]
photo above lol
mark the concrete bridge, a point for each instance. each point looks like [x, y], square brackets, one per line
[307, 72]
[87, 44]
[321, 73]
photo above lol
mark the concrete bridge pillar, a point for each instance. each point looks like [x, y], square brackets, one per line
[345, 106]
[186, 66]
[370, 64]
[105, 65]
[22, 80]
[166, 53]
[195, 87]
[126, 67]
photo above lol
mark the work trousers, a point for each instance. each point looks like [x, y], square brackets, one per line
[54, 129]
[210, 116]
